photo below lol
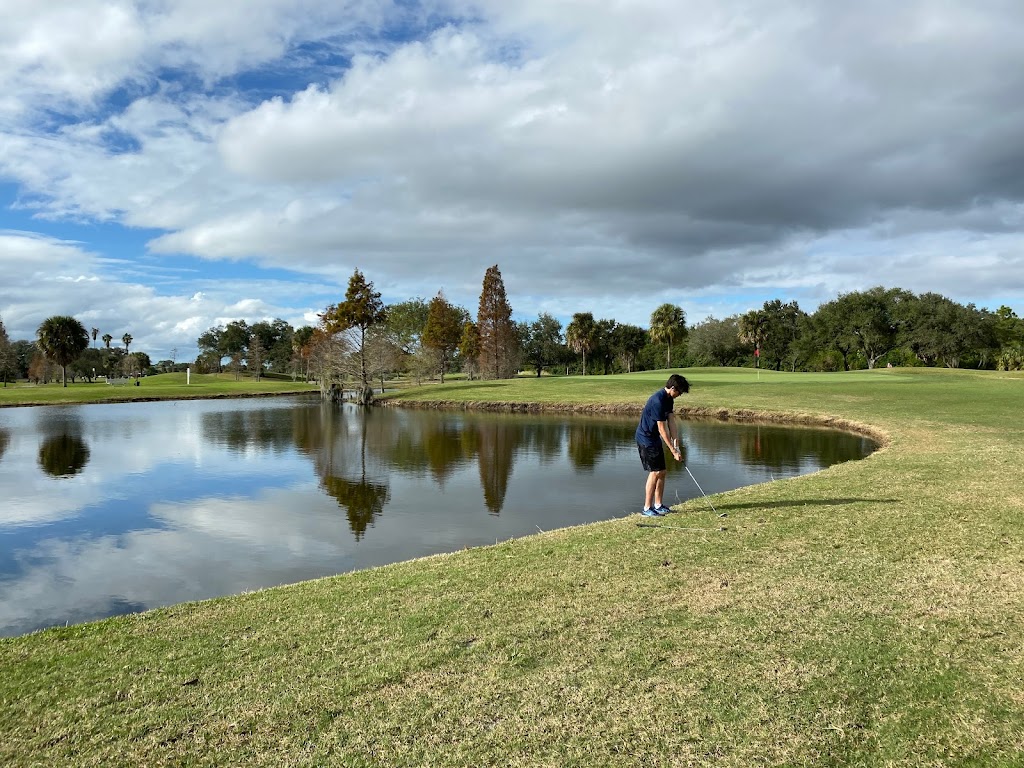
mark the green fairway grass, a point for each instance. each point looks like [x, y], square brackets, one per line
[164, 386]
[871, 614]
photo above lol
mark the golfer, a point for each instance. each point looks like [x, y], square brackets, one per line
[657, 427]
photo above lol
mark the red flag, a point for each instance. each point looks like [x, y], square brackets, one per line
[757, 351]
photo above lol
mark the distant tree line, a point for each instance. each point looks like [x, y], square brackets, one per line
[863, 329]
[64, 350]
[362, 342]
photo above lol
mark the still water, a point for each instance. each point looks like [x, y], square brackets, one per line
[112, 509]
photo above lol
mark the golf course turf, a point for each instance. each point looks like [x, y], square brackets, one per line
[871, 614]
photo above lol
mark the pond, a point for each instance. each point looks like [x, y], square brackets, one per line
[118, 508]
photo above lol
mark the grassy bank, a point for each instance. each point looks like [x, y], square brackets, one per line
[164, 386]
[871, 614]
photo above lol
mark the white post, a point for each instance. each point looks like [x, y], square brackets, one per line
[188, 376]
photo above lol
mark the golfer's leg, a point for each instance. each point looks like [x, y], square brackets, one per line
[652, 480]
[659, 487]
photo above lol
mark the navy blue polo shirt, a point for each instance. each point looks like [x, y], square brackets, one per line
[659, 406]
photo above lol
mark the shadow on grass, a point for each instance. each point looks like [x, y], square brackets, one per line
[804, 503]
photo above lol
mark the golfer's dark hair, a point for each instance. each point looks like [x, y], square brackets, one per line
[678, 383]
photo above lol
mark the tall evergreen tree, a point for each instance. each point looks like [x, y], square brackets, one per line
[499, 341]
[8, 359]
[361, 310]
[469, 348]
[443, 330]
[63, 339]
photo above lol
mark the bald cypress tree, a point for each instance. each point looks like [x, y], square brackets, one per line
[355, 316]
[499, 342]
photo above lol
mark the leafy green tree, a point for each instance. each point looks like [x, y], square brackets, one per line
[1009, 328]
[361, 310]
[604, 344]
[62, 338]
[95, 332]
[127, 339]
[668, 325]
[89, 364]
[499, 340]
[832, 332]
[233, 340]
[872, 319]
[209, 358]
[939, 330]
[469, 348]
[107, 338]
[301, 350]
[23, 350]
[627, 341]
[405, 322]
[275, 339]
[716, 342]
[802, 349]
[443, 331]
[543, 345]
[8, 359]
[581, 335]
[136, 364]
[777, 330]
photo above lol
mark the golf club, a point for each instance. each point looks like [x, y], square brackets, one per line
[701, 490]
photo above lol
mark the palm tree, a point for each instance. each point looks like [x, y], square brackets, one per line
[668, 324]
[127, 339]
[107, 338]
[95, 333]
[579, 335]
[753, 330]
[63, 339]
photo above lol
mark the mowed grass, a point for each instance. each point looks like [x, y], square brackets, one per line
[871, 614]
[164, 386]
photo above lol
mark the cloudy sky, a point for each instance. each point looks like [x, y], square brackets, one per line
[170, 165]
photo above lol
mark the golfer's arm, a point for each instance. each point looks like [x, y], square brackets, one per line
[665, 429]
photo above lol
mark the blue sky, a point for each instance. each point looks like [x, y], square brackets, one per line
[189, 163]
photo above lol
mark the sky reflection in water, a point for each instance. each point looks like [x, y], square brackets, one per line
[110, 509]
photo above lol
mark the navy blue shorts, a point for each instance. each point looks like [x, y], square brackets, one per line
[653, 459]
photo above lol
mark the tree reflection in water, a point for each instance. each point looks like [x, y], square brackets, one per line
[241, 430]
[5, 440]
[63, 455]
[498, 442]
[338, 441]
[355, 451]
[788, 449]
[363, 501]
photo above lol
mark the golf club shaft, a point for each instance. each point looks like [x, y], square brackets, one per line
[700, 489]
